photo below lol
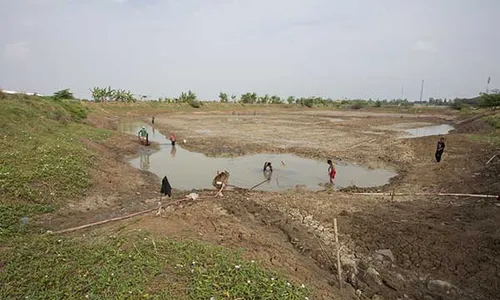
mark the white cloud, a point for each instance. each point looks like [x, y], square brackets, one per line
[425, 46]
[16, 51]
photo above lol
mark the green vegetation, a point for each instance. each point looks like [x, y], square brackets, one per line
[63, 94]
[45, 160]
[490, 100]
[109, 94]
[136, 266]
[223, 98]
[494, 121]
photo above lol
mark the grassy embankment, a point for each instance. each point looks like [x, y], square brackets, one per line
[44, 162]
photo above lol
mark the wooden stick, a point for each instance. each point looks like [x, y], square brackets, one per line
[491, 159]
[427, 194]
[339, 268]
[258, 184]
[114, 219]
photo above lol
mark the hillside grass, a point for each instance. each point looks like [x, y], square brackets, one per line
[44, 162]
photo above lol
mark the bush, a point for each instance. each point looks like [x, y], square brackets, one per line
[357, 105]
[378, 103]
[489, 100]
[458, 105]
[63, 94]
[195, 103]
[493, 121]
[309, 103]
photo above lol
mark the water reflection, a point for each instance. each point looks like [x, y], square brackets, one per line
[144, 162]
[173, 151]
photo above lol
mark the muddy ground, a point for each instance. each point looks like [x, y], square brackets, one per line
[412, 247]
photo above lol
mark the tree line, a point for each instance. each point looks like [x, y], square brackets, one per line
[491, 99]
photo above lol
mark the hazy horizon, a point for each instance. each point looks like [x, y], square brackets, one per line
[333, 49]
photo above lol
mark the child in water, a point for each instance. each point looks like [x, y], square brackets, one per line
[172, 138]
[331, 170]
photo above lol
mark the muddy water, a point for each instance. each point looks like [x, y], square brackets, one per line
[428, 131]
[188, 170]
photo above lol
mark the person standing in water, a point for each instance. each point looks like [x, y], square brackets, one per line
[142, 133]
[331, 170]
[267, 167]
[439, 149]
[172, 138]
[268, 170]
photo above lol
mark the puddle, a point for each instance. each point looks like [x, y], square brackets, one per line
[188, 170]
[428, 131]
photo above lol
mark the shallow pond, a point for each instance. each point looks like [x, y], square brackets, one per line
[428, 131]
[188, 170]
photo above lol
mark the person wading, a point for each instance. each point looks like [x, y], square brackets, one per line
[172, 138]
[268, 170]
[142, 134]
[331, 170]
[439, 149]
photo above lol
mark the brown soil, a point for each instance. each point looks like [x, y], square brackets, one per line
[431, 238]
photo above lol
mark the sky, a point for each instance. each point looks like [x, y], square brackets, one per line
[328, 48]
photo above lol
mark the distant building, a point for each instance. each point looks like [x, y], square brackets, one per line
[16, 92]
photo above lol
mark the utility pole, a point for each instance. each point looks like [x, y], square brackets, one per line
[402, 89]
[422, 90]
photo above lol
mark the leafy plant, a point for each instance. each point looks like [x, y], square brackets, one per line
[187, 97]
[275, 99]
[249, 98]
[63, 94]
[490, 100]
[223, 98]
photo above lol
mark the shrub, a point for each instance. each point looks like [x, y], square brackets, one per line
[457, 104]
[195, 103]
[63, 94]
[357, 105]
[489, 100]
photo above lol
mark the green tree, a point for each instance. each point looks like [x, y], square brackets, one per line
[63, 94]
[187, 97]
[490, 100]
[233, 97]
[275, 99]
[249, 98]
[291, 100]
[223, 98]
[264, 99]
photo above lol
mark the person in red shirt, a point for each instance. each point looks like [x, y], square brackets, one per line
[172, 138]
[331, 170]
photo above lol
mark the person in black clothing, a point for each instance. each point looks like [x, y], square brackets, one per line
[268, 170]
[153, 120]
[440, 149]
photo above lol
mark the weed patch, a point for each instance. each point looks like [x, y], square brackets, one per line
[132, 267]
